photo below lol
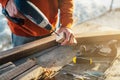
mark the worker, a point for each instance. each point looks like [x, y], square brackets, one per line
[28, 32]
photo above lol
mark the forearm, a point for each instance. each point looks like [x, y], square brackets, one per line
[66, 13]
[3, 2]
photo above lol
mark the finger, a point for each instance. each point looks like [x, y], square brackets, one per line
[65, 42]
[58, 31]
[19, 15]
[67, 39]
[13, 11]
[73, 40]
[68, 36]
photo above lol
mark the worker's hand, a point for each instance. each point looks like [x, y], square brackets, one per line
[12, 10]
[69, 36]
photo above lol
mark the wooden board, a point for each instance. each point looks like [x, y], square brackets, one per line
[56, 58]
[30, 74]
[27, 49]
[6, 67]
[99, 36]
[9, 75]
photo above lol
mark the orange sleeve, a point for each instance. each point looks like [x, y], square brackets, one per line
[3, 2]
[66, 12]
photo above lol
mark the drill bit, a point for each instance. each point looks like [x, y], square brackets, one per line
[55, 33]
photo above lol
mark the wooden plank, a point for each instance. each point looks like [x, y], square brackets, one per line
[6, 67]
[101, 36]
[56, 58]
[18, 70]
[27, 49]
[42, 44]
[31, 74]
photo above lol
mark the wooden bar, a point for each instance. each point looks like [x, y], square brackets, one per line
[101, 36]
[6, 67]
[48, 42]
[31, 74]
[18, 70]
[27, 49]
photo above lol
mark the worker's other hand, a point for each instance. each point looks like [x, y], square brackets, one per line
[69, 36]
[12, 10]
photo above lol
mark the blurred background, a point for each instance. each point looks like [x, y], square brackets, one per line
[84, 10]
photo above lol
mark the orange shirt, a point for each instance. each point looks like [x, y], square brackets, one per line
[50, 9]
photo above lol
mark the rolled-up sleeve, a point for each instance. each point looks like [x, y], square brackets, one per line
[66, 13]
[3, 2]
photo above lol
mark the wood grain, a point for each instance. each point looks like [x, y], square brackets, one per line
[6, 67]
[27, 49]
[30, 74]
[18, 70]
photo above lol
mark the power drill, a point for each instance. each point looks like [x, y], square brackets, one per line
[35, 15]
[30, 11]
